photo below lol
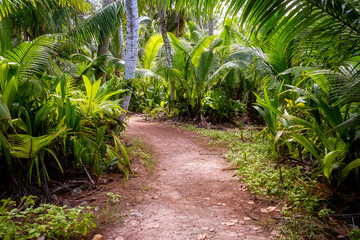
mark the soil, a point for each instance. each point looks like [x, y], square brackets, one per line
[192, 194]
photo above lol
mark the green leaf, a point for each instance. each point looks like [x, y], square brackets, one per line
[306, 144]
[352, 122]
[41, 115]
[354, 164]
[10, 91]
[328, 162]
[4, 111]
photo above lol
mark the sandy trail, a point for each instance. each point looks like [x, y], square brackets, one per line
[190, 196]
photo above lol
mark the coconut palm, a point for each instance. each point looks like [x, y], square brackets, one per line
[132, 42]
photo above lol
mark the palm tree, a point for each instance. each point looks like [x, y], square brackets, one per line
[166, 45]
[196, 72]
[132, 42]
[103, 47]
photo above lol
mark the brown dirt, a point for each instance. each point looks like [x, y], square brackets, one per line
[189, 195]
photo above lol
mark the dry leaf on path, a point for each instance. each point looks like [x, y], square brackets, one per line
[202, 236]
[152, 225]
[98, 237]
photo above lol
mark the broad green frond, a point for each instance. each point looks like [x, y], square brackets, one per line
[33, 56]
[199, 49]
[107, 19]
[5, 35]
[151, 49]
[26, 146]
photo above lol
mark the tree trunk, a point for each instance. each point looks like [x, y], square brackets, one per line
[103, 48]
[132, 42]
[167, 47]
[121, 41]
[211, 26]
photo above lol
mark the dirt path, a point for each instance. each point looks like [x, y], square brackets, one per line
[190, 196]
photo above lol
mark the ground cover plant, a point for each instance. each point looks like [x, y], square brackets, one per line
[28, 221]
[304, 200]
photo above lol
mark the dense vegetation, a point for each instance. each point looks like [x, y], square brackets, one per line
[65, 81]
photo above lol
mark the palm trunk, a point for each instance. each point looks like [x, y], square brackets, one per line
[121, 41]
[120, 49]
[167, 48]
[103, 48]
[132, 42]
[211, 26]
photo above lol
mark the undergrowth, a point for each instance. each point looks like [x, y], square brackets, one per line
[46, 220]
[141, 151]
[266, 177]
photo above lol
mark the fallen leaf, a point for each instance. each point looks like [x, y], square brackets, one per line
[212, 230]
[207, 198]
[205, 228]
[98, 237]
[202, 236]
[247, 218]
[152, 225]
[229, 224]
[251, 202]
[120, 238]
[272, 209]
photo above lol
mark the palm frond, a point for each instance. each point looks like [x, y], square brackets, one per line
[33, 56]
[318, 19]
[146, 73]
[220, 73]
[5, 35]
[200, 48]
[151, 49]
[205, 63]
[26, 146]
[107, 19]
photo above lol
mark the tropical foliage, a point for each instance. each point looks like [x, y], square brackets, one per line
[290, 65]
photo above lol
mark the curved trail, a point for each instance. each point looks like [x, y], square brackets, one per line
[190, 196]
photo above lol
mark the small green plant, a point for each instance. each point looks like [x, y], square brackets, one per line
[46, 220]
[354, 234]
[111, 211]
[323, 213]
[264, 176]
[139, 150]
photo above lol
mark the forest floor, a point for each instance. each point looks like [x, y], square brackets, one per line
[191, 194]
